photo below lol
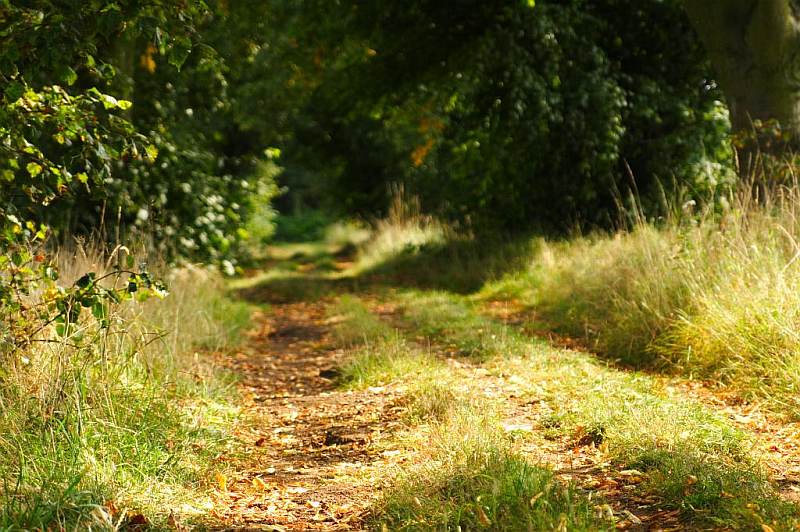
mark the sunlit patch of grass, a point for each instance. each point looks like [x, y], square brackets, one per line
[717, 297]
[432, 399]
[404, 231]
[675, 443]
[346, 235]
[131, 420]
[379, 354]
[355, 324]
[385, 363]
[471, 479]
[439, 314]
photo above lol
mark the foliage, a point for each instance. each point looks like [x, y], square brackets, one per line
[120, 110]
[506, 115]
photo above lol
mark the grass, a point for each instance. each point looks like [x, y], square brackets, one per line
[380, 356]
[713, 296]
[125, 427]
[693, 459]
[716, 297]
[472, 479]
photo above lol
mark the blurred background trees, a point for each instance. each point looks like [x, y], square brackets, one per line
[177, 123]
[509, 115]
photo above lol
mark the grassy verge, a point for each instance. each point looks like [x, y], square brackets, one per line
[714, 296]
[690, 457]
[123, 428]
[717, 298]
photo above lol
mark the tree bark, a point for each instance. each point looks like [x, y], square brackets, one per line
[754, 47]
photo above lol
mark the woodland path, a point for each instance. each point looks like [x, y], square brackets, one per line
[313, 453]
[317, 457]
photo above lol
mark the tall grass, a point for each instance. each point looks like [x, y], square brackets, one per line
[716, 297]
[405, 230]
[119, 424]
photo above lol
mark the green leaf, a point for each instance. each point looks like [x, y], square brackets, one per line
[34, 169]
[124, 104]
[100, 311]
[152, 152]
[178, 52]
[109, 102]
[86, 280]
[67, 75]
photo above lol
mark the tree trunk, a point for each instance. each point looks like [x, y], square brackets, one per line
[754, 47]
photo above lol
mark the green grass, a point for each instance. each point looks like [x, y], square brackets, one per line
[708, 295]
[671, 440]
[470, 476]
[379, 355]
[354, 324]
[472, 479]
[719, 298]
[127, 424]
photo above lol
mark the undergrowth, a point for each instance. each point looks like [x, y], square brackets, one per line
[122, 428]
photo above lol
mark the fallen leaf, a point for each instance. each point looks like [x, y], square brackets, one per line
[259, 484]
[632, 518]
[483, 519]
[222, 481]
[136, 520]
[172, 521]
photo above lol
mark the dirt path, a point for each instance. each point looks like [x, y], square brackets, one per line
[314, 454]
[776, 438]
[315, 457]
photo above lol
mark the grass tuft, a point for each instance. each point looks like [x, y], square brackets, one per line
[473, 480]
